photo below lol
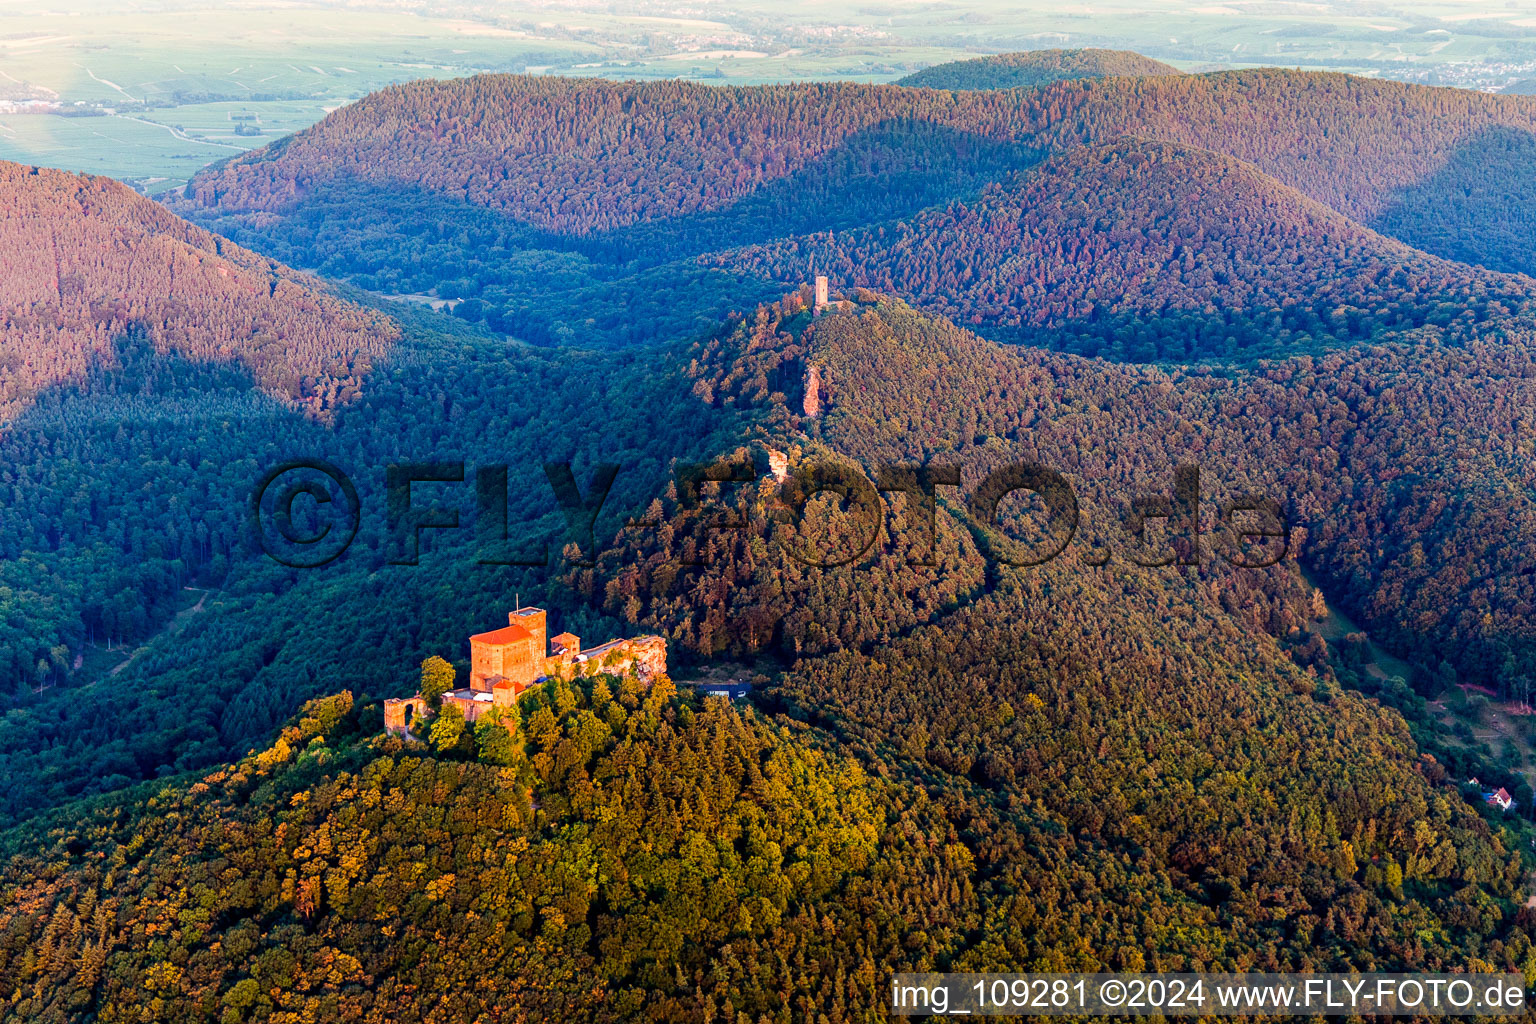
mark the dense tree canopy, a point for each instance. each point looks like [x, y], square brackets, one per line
[1147, 250]
[1378, 506]
[616, 213]
[639, 855]
[579, 156]
[1036, 67]
[90, 261]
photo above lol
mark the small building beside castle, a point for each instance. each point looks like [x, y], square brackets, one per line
[505, 662]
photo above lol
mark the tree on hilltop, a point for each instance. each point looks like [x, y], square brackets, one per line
[437, 677]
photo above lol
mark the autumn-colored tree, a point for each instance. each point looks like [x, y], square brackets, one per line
[447, 729]
[495, 736]
[437, 678]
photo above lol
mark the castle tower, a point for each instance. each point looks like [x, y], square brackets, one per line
[515, 651]
[504, 694]
[821, 292]
[531, 619]
[564, 645]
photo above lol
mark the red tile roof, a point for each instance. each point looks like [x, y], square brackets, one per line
[504, 635]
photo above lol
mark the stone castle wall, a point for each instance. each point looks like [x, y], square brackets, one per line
[504, 670]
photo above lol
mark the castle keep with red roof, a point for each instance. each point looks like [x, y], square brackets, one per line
[507, 661]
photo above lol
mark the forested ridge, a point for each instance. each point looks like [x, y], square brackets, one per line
[88, 261]
[538, 200]
[628, 852]
[577, 156]
[1035, 67]
[1368, 453]
[1149, 250]
[110, 298]
[1067, 769]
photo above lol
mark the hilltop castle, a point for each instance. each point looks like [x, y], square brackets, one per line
[507, 661]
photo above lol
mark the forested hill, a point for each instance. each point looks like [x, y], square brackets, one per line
[1036, 67]
[580, 156]
[635, 854]
[961, 766]
[139, 483]
[1366, 450]
[1150, 250]
[537, 199]
[92, 266]
[947, 762]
